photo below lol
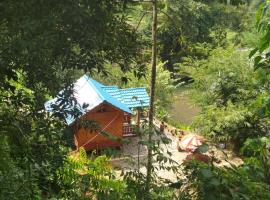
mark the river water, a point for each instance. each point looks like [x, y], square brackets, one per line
[182, 109]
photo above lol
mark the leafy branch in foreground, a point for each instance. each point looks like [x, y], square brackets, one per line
[204, 181]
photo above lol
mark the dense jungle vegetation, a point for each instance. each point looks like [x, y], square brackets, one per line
[218, 50]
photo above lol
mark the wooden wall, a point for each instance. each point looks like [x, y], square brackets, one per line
[103, 114]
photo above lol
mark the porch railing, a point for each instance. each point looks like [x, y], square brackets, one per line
[128, 129]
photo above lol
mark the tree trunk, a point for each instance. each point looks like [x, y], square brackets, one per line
[152, 99]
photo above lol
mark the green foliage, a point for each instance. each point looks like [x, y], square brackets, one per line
[14, 182]
[233, 123]
[179, 125]
[256, 147]
[260, 53]
[136, 185]
[35, 141]
[210, 182]
[165, 87]
[46, 38]
[257, 156]
[225, 76]
[83, 177]
[260, 56]
[45, 45]
[89, 178]
[164, 91]
[234, 102]
[225, 86]
[194, 28]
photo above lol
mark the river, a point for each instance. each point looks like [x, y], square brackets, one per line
[182, 109]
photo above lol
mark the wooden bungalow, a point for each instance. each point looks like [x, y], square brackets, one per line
[112, 108]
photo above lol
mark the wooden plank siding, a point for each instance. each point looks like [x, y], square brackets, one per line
[102, 114]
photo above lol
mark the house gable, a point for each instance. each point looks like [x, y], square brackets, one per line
[87, 92]
[110, 119]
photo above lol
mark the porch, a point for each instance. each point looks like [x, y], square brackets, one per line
[133, 123]
[129, 130]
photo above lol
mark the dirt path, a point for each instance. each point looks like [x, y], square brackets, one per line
[130, 160]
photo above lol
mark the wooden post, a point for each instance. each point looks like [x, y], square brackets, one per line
[138, 117]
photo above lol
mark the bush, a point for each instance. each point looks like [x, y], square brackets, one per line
[227, 183]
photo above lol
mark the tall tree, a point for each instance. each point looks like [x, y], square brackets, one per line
[152, 96]
[41, 43]
[45, 38]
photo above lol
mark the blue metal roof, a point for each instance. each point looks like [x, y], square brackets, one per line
[89, 91]
[106, 96]
[132, 97]
[135, 97]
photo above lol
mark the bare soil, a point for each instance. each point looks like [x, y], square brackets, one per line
[133, 155]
